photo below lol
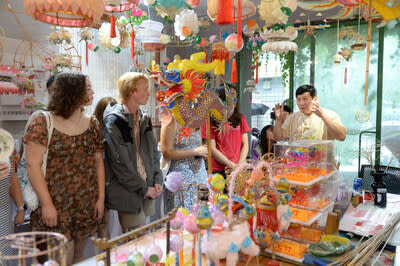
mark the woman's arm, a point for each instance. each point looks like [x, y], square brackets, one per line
[34, 157]
[16, 194]
[219, 156]
[167, 139]
[99, 208]
[244, 149]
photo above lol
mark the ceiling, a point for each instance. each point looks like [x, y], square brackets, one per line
[38, 31]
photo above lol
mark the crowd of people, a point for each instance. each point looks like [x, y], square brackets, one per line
[110, 161]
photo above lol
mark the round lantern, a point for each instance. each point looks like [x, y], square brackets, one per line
[186, 24]
[119, 6]
[71, 13]
[149, 33]
[234, 43]
[248, 9]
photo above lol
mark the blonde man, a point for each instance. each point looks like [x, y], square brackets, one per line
[134, 178]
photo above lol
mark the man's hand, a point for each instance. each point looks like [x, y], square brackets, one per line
[151, 193]
[317, 109]
[278, 110]
[158, 189]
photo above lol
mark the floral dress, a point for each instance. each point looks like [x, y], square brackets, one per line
[71, 178]
[193, 171]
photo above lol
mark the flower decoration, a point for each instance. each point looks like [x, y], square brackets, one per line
[58, 36]
[274, 11]
[186, 24]
[165, 38]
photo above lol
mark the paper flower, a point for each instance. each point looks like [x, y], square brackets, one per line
[104, 36]
[186, 24]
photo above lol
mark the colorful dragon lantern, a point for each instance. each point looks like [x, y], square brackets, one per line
[189, 98]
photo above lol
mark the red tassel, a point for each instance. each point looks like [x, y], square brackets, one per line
[257, 72]
[112, 27]
[206, 59]
[87, 53]
[239, 22]
[133, 44]
[234, 78]
[345, 75]
[225, 12]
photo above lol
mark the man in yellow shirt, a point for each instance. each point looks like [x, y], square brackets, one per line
[311, 122]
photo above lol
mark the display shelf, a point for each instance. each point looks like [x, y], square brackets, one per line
[307, 218]
[313, 179]
[323, 209]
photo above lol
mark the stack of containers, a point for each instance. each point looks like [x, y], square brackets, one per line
[309, 168]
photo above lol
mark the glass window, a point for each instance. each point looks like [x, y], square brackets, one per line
[391, 98]
[341, 89]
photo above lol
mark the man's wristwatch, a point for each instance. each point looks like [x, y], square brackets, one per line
[21, 208]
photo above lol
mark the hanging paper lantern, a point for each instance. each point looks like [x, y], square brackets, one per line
[71, 13]
[219, 53]
[248, 9]
[234, 43]
[279, 41]
[135, 259]
[186, 24]
[149, 33]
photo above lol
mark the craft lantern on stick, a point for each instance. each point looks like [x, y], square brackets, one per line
[149, 33]
[71, 13]
[234, 43]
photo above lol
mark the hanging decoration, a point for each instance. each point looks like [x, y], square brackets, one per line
[59, 35]
[309, 29]
[87, 36]
[105, 40]
[7, 74]
[274, 11]
[248, 9]
[124, 29]
[388, 9]
[71, 13]
[219, 53]
[279, 39]
[186, 24]
[168, 9]
[234, 43]
[149, 33]
[135, 17]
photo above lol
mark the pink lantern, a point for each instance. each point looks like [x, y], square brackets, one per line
[119, 6]
[71, 13]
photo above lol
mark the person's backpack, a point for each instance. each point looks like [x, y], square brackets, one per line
[28, 193]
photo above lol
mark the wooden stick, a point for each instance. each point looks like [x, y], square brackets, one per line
[368, 52]
[209, 160]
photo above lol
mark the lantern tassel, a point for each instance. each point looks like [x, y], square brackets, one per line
[87, 53]
[133, 44]
[257, 72]
[345, 75]
[112, 28]
[234, 78]
[206, 59]
[239, 22]
[225, 12]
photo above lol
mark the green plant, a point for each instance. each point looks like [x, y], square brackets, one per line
[285, 68]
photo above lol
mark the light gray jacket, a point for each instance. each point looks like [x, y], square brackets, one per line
[124, 187]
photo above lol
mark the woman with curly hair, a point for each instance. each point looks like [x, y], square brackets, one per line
[72, 191]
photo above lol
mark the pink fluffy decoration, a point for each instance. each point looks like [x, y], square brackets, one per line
[217, 215]
[120, 6]
[152, 254]
[190, 224]
[177, 222]
[173, 181]
[176, 243]
[69, 13]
